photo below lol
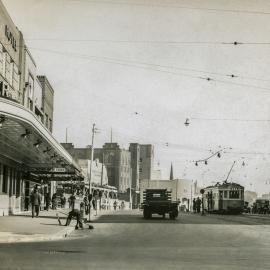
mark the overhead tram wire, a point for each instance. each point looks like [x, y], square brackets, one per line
[230, 119]
[237, 11]
[138, 66]
[227, 75]
[170, 42]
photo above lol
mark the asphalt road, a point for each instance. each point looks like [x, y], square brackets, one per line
[125, 240]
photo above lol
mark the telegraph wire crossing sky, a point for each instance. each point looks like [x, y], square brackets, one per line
[143, 68]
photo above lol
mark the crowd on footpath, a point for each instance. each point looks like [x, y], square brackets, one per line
[77, 211]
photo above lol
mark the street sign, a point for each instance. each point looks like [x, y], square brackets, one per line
[58, 170]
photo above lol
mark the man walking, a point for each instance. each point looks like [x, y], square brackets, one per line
[35, 201]
[47, 201]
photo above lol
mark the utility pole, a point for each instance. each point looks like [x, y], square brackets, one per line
[191, 202]
[90, 171]
[111, 135]
[66, 135]
[130, 191]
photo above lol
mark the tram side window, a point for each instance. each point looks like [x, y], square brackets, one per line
[234, 194]
[225, 193]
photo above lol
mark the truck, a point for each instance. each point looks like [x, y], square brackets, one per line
[159, 201]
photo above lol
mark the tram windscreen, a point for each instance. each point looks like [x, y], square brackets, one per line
[234, 194]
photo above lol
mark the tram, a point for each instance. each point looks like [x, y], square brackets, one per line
[224, 198]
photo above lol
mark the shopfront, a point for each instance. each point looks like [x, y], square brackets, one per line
[29, 155]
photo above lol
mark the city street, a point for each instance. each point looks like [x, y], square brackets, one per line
[124, 240]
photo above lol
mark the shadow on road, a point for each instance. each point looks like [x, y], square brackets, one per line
[187, 219]
[30, 216]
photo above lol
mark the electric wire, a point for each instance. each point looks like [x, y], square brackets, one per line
[138, 66]
[237, 11]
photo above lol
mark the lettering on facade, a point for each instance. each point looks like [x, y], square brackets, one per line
[11, 39]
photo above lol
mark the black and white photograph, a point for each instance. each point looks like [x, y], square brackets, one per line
[134, 134]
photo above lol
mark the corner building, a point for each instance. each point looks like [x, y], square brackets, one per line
[29, 154]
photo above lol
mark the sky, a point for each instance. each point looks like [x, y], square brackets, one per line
[140, 68]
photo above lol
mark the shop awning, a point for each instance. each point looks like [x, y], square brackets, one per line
[25, 140]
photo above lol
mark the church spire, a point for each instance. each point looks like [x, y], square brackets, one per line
[171, 173]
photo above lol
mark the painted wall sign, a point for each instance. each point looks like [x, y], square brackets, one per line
[11, 39]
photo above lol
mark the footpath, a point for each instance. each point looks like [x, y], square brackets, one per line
[23, 228]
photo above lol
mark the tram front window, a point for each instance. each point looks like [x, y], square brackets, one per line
[234, 194]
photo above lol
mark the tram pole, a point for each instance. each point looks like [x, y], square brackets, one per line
[202, 192]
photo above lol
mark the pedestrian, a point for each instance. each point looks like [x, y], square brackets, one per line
[72, 201]
[94, 204]
[47, 201]
[198, 205]
[63, 201]
[75, 213]
[35, 201]
[115, 205]
[86, 205]
[194, 205]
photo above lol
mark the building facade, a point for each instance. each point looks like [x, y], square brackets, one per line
[29, 154]
[47, 101]
[118, 164]
[11, 50]
[146, 165]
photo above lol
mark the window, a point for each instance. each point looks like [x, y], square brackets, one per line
[234, 194]
[225, 194]
[140, 170]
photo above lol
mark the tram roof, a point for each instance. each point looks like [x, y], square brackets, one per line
[225, 185]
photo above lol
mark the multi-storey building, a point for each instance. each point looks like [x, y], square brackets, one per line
[10, 57]
[29, 154]
[118, 164]
[146, 161]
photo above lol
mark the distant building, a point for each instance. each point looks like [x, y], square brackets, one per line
[99, 172]
[250, 196]
[78, 153]
[118, 164]
[266, 196]
[142, 163]
[146, 165]
[157, 174]
[134, 149]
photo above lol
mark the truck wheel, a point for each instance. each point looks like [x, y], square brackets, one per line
[146, 214]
